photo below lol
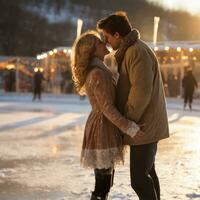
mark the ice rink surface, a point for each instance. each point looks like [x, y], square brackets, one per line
[40, 144]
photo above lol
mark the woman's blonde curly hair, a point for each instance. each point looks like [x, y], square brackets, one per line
[82, 54]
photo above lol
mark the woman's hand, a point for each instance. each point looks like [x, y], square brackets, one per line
[134, 131]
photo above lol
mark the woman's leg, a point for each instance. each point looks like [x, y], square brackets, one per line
[103, 183]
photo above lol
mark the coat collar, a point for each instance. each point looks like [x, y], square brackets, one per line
[100, 64]
[96, 62]
[127, 41]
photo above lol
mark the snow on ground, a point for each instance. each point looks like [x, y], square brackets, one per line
[40, 145]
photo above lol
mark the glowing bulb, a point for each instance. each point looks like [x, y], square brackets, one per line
[51, 53]
[184, 57]
[166, 48]
[39, 57]
[191, 49]
[178, 49]
[36, 69]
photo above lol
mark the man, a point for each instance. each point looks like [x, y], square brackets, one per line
[37, 84]
[189, 83]
[140, 97]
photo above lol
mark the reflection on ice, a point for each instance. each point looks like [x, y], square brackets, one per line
[54, 149]
[174, 117]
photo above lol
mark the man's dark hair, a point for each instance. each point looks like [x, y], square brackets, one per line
[117, 22]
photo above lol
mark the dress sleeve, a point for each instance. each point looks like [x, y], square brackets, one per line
[100, 85]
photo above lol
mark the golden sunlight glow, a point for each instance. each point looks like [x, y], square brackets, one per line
[191, 6]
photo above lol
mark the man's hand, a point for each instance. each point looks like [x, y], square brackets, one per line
[138, 136]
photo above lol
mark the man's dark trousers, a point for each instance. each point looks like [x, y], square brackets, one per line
[144, 179]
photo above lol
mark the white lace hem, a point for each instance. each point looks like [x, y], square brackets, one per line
[102, 158]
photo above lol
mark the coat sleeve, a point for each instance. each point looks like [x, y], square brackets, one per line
[100, 85]
[140, 73]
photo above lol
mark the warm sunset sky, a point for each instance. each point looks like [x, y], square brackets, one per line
[192, 6]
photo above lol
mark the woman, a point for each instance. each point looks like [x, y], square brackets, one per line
[102, 144]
